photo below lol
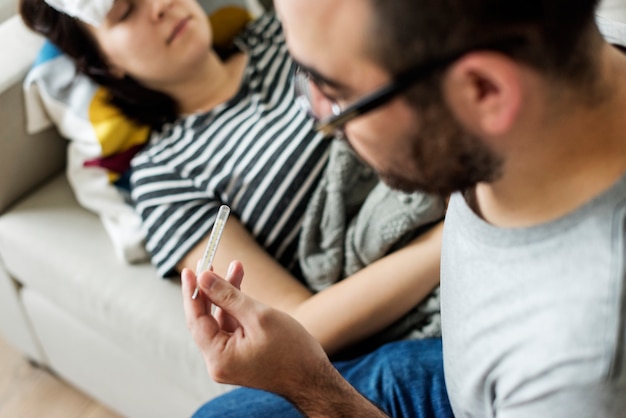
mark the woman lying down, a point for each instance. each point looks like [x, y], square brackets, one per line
[318, 236]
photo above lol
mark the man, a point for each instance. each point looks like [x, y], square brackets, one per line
[519, 106]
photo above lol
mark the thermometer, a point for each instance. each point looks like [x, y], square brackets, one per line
[211, 247]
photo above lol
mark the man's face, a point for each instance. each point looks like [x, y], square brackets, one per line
[411, 147]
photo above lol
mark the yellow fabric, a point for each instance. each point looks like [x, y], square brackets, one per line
[227, 22]
[114, 131]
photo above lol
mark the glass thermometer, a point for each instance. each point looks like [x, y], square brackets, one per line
[211, 247]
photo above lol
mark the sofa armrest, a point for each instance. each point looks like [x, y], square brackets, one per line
[25, 160]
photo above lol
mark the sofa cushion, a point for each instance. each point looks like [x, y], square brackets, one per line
[58, 249]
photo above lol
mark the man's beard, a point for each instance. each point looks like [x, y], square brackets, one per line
[447, 158]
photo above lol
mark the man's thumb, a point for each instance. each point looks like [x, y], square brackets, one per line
[222, 293]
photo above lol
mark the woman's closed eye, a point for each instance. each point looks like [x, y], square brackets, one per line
[121, 11]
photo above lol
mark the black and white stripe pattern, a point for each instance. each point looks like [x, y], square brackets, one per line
[257, 153]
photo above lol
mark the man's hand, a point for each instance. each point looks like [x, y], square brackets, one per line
[249, 344]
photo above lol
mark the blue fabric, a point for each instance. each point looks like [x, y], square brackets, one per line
[48, 52]
[405, 379]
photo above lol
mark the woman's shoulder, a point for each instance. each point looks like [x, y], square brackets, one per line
[171, 133]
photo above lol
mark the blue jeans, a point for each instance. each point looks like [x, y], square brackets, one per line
[405, 379]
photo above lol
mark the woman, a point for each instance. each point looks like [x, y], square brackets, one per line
[226, 132]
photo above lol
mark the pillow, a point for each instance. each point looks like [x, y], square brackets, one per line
[611, 20]
[102, 141]
[54, 94]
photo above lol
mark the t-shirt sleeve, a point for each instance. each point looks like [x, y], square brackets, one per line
[176, 215]
[607, 400]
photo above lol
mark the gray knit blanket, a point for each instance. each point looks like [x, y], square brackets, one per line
[354, 219]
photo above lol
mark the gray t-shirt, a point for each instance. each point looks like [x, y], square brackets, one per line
[533, 318]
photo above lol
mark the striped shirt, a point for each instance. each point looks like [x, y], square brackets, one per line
[257, 153]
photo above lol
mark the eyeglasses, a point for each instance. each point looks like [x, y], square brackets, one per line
[332, 119]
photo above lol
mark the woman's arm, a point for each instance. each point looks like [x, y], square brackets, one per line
[348, 311]
[266, 280]
[374, 297]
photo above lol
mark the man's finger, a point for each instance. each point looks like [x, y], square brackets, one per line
[204, 328]
[188, 282]
[234, 275]
[226, 296]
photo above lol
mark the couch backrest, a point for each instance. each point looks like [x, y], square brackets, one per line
[7, 9]
[25, 160]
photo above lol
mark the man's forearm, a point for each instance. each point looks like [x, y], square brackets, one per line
[329, 395]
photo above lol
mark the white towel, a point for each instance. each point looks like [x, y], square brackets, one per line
[92, 12]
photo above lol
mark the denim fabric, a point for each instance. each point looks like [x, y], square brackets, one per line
[405, 379]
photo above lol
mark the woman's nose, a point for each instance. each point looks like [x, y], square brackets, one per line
[160, 7]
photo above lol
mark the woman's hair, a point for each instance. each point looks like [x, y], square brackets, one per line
[139, 103]
[556, 37]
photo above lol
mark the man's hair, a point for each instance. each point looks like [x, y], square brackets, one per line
[552, 36]
[136, 101]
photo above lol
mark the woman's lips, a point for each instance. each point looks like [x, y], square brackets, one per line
[178, 29]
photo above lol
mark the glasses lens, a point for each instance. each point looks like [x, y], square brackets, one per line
[311, 99]
[302, 89]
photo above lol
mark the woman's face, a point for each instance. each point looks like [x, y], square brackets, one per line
[155, 41]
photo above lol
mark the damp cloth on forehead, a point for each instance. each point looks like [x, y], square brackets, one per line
[92, 12]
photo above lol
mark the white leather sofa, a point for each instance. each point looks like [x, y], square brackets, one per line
[115, 331]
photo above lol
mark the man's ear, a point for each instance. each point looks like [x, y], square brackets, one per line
[484, 89]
